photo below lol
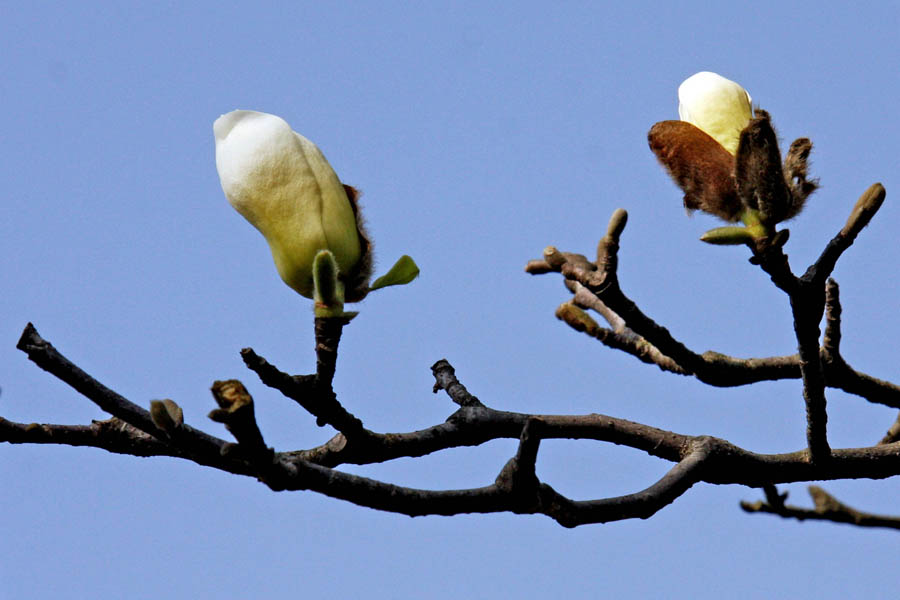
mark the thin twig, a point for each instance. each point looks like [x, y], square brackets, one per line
[831, 341]
[893, 433]
[112, 435]
[445, 379]
[236, 413]
[866, 207]
[827, 508]
[192, 441]
[319, 401]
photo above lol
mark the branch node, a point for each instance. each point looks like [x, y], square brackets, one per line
[236, 413]
[309, 392]
[445, 379]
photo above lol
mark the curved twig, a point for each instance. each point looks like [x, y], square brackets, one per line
[827, 508]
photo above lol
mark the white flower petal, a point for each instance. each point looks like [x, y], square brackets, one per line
[718, 106]
[283, 185]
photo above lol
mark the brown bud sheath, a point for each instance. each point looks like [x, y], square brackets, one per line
[700, 166]
[795, 175]
[758, 172]
[356, 283]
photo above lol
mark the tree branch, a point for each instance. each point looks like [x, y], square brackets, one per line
[654, 344]
[312, 392]
[201, 447]
[516, 489]
[445, 379]
[866, 207]
[831, 341]
[236, 413]
[827, 508]
[714, 368]
[893, 433]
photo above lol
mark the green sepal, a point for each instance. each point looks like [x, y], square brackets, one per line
[328, 291]
[735, 235]
[732, 235]
[403, 272]
[325, 279]
[757, 228]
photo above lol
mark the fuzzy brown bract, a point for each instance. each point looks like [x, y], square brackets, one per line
[357, 281]
[701, 167]
[718, 183]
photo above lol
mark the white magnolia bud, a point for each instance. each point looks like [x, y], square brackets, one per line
[280, 182]
[718, 106]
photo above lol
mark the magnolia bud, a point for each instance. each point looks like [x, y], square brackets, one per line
[718, 106]
[280, 182]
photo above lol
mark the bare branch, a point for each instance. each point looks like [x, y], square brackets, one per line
[518, 477]
[711, 367]
[445, 379]
[827, 508]
[807, 298]
[236, 412]
[587, 300]
[654, 344]
[318, 400]
[112, 435]
[640, 335]
[701, 459]
[831, 341]
[626, 340]
[516, 489]
[841, 376]
[865, 208]
[202, 447]
[503, 495]
[44, 355]
[328, 337]
[806, 311]
[646, 503]
[893, 433]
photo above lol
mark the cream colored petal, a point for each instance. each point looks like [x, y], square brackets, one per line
[282, 184]
[717, 105]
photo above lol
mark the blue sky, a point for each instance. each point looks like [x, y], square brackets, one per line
[479, 133]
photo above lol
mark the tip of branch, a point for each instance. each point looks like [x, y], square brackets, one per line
[554, 257]
[251, 358]
[865, 208]
[537, 267]
[576, 318]
[823, 501]
[231, 395]
[441, 365]
[28, 337]
[617, 223]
